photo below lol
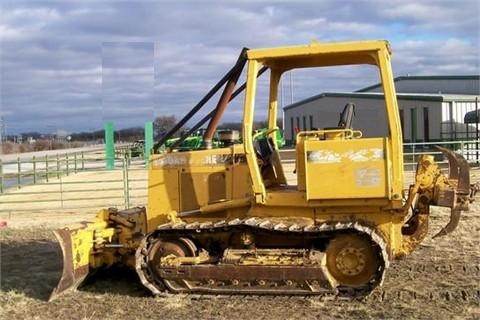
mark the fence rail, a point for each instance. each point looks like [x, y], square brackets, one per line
[126, 185]
[37, 169]
[413, 151]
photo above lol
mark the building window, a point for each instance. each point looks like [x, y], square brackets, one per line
[426, 128]
[304, 123]
[298, 125]
[292, 129]
[310, 118]
[402, 122]
[413, 121]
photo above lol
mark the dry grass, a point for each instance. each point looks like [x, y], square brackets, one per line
[438, 281]
[31, 265]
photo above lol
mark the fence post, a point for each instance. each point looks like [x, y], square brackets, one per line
[34, 162]
[83, 161]
[75, 159]
[61, 193]
[1, 176]
[109, 146]
[414, 165]
[46, 168]
[66, 159]
[58, 167]
[19, 172]
[148, 141]
[126, 191]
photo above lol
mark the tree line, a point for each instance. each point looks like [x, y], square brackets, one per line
[161, 124]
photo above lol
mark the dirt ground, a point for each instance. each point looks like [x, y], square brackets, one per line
[441, 280]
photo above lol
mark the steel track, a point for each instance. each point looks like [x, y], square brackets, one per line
[259, 225]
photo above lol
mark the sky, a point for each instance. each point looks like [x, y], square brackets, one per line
[72, 65]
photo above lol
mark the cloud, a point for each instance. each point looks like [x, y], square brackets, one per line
[452, 56]
[70, 65]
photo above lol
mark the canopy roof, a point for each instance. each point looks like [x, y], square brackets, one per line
[317, 54]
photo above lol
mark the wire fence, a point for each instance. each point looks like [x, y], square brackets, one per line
[57, 186]
[413, 151]
[24, 171]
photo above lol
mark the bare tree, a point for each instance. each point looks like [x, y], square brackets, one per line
[163, 124]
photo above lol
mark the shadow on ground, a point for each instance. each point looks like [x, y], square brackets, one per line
[31, 267]
[34, 268]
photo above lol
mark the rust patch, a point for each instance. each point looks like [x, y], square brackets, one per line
[71, 278]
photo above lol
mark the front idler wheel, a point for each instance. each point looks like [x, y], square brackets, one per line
[352, 260]
[163, 248]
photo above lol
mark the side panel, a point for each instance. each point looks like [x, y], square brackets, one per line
[163, 192]
[346, 169]
[183, 181]
[201, 188]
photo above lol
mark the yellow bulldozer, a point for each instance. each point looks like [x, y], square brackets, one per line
[224, 220]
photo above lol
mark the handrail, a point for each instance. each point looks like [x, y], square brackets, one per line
[320, 134]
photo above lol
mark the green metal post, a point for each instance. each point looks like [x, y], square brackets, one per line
[148, 140]
[109, 146]
[34, 162]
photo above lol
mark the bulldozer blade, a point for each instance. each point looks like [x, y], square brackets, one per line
[73, 273]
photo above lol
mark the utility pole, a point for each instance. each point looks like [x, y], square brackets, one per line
[2, 129]
[1, 134]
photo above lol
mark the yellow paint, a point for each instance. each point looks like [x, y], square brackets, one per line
[343, 169]
[85, 240]
[341, 176]
[345, 177]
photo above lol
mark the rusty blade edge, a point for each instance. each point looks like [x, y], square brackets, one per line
[453, 166]
[70, 278]
[458, 169]
[464, 175]
[451, 225]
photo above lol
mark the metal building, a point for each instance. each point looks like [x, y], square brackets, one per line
[468, 85]
[431, 109]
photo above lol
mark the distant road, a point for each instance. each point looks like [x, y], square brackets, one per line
[29, 155]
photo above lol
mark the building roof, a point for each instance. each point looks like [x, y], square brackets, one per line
[378, 95]
[423, 78]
